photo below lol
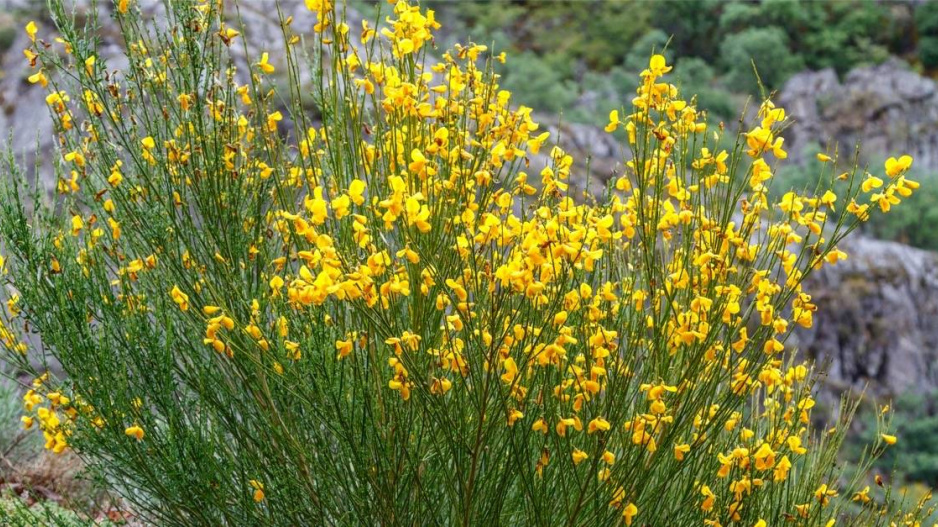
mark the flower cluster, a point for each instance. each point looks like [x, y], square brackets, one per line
[403, 312]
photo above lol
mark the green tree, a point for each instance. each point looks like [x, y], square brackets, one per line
[926, 23]
[654, 41]
[839, 35]
[540, 85]
[693, 25]
[767, 47]
[696, 77]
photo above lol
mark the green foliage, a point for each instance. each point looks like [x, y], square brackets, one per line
[766, 47]
[10, 411]
[544, 86]
[14, 512]
[693, 25]
[926, 23]
[915, 420]
[695, 76]
[580, 41]
[654, 41]
[7, 34]
[839, 35]
[592, 31]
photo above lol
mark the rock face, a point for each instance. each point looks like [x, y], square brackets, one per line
[877, 319]
[886, 108]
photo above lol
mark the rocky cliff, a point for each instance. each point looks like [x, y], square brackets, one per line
[877, 320]
[885, 108]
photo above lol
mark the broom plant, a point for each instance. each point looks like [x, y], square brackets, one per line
[348, 282]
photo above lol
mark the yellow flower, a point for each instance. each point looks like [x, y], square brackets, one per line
[828, 199]
[680, 451]
[598, 424]
[404, 46]
[418, 161]
[31, 29]
[258, 490]
[613, 121]
[894, 166]
[709, 498]
[356, 191]
[764, 457]
[782, 469]
[658, 66]
[89, 65]
[344, 348]
[227, 35]
[824, 493]
[629, 512]
[39, 78]
[264, 65]
[276, 283]
[511, 370]
[272, 121]
[134, 431]
[889, 439]
[579, 456]
[863, 496]
[823, 158]
[181, 299]
[77, 225]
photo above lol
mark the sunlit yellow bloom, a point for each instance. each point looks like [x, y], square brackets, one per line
[181, 299]
[629, 513]
[135, 431]
[894, 166]
[598, 425]
[264, 65]
[31, 29]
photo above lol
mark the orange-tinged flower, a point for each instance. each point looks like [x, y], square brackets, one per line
[629, 513]
[135, 432]
[598, 425]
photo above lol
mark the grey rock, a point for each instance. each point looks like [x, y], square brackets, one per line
[877, 319]
[887, 109]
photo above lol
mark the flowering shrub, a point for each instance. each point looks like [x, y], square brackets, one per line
[383, 318]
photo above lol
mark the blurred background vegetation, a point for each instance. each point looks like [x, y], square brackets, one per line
[570, 54]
